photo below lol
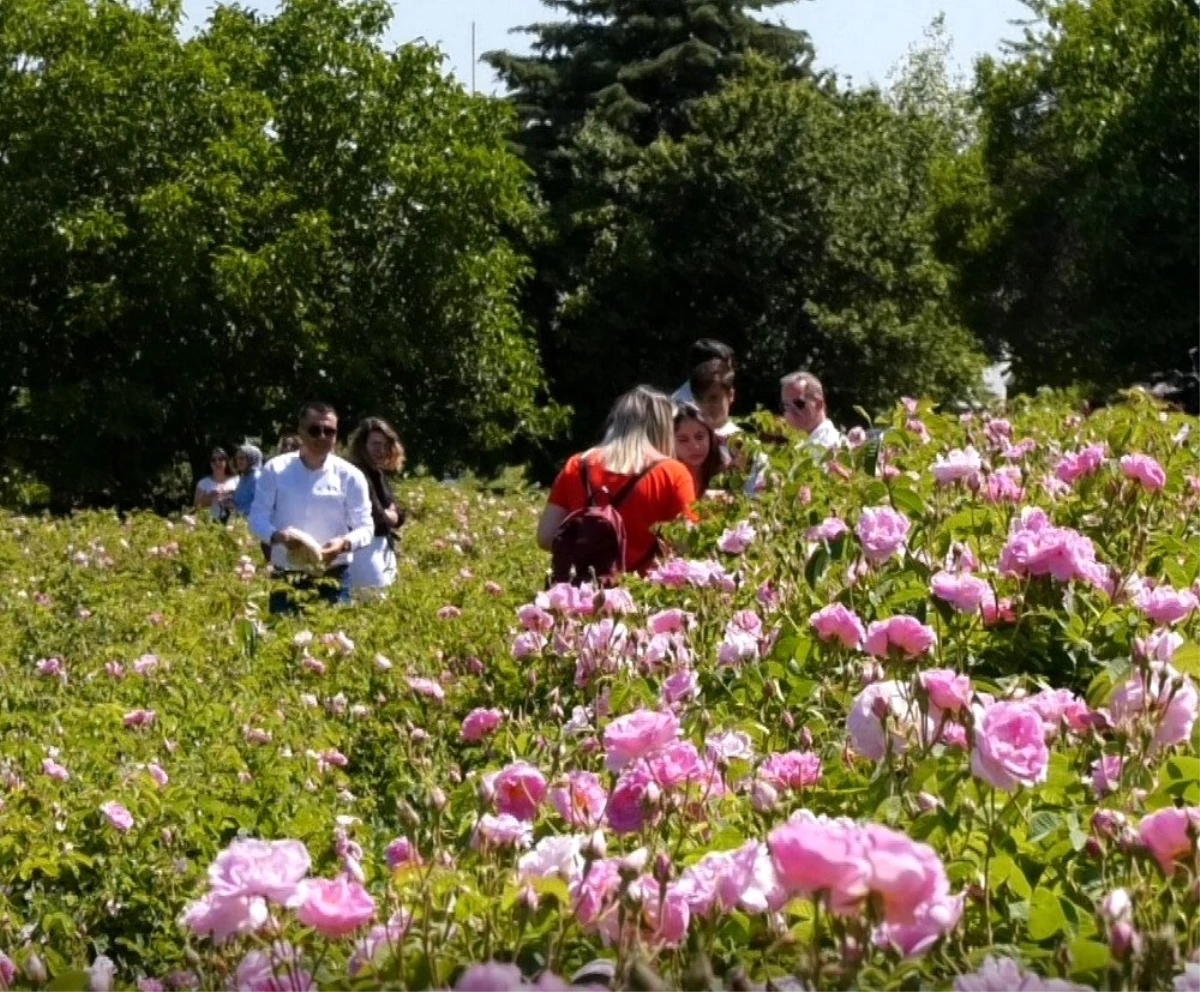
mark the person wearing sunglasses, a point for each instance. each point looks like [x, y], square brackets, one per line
[803, 401]
[215, 491]
[311, 504]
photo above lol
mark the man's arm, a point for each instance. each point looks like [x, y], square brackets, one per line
[262, 511]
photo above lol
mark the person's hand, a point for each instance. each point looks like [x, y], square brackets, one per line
[331, 549]
[391, 515]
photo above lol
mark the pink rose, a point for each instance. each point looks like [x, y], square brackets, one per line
[1170, 698]
[829, 529]
[1007, 975]
[1075, 466]
[793, 770]
[1166, 606]
[118, 816]
[1061, 706]
[1170, 834]
[877, 703]
[334, 907]
[581, 800]
[882, 531]
[139, 718]
[965, 592]
[1106, 775]
[738, 539]
[665, 915]
[958, 466]
[637, 734]
[223, 917]
[520, 789]
[502, 831]
[1010, 746]
[479, 723]
[947, 689]
[1160, 645]
[529, 643]
[1145, 470]
[816, 855]
[904, 874]
[680, 686]
[906, 636]
[251, 867]
[401, 852]
[490, 977]
[426, 687]
[835, 622]
[55, 770]
[931, 920]
[672, 621]
[632, 801]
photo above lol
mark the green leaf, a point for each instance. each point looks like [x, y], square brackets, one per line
[1187, 660]
[1046, 917]
[1043, 823]
[1088, 957]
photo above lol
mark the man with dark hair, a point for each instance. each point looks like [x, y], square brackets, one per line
[313, 509]
[701, 351]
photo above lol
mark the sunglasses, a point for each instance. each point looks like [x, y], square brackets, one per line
[316, 430]
[796, 405]
[218, 461]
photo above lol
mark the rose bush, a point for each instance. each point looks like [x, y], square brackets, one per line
[922, 716]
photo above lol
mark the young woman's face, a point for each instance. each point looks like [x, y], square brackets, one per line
[715, 405]
[377, 448]
[691, 443]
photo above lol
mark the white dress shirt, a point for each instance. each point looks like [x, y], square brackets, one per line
[826, 435]
[328, 502]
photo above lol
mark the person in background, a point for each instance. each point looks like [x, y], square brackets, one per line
[248, 462]
[314, 492]
[711, 382]
[701, 351]
[697, 446]
[375, 449]
[803, 401]
[215, 491]
[633, 470]
[289, 443]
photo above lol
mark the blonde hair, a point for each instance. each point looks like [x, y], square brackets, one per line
[640, 430]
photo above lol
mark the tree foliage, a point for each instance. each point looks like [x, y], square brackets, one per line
[195, 235]
[1074, 225]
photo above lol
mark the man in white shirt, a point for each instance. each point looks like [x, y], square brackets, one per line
[803, 400]
[700, 352]
[316, 492]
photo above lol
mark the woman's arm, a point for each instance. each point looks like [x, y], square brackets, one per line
[548, 524]
[203, 498]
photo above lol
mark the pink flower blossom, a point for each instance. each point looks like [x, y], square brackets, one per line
[139, 718]
[1170, 700]
[528, 643]
[1170, 834]
[1035, 547]
[118, 817]
[906, 636]
[490, 977]
[426, 687]
[56, 771]
[947, 690]
[553, 857]
[1006, 975]
[1073, 467]
[449, 612]
[637, 734]
[882, 532]
[401, 851]
[223, 917]
[1003, 486]
[580, 800]
[1166, 606]
[962, 590]
[1144, 470]
[252, 867]
[51, 668]
[791, 770]
[157, 773]
[1061, 706]
[835, 622]
[519, 790]
[829, 529]
[931, 920]
[730, 746]
[501, 831]
[736, 540]
[681, 686]
[1010, 746]
[958, 466]
[480, 723]
[1160, 645]
[672, 621]
[878, 703]
[1106, 775]
[334, 907]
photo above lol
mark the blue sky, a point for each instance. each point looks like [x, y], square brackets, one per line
[860, 38]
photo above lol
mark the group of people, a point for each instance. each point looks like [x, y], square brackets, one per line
[658, 455]
[325, 523]
[329, 523]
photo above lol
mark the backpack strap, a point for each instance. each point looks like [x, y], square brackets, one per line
[589, 495]
[626, 489]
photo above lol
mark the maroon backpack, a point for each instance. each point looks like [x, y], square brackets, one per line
[590, 543]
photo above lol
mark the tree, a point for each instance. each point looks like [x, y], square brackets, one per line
[794, 223]
[195, 236]
[1075, 224]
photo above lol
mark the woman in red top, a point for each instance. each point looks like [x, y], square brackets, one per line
[640, 437]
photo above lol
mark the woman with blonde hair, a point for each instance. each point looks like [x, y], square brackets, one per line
[623, 487]
[375, 450]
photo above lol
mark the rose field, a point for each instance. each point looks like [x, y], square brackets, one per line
[921, 717]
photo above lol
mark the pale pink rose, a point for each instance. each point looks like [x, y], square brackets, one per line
[426, 687]
[730, 746]
[1106, 775]
[100, 974]
[998, 431]
[965, 592]
[519, 790]
[1076, 465]
[594, 896]
[1170, 834]
[637, 734]
[553, 857]
[157, 773]
[1170, 698]
[1160, 645]
[580, 800]
[835, 622]
[118, 816]
[502, 831]
[223, 917]
[736, 540]
[480, 723]
[856, 437]
[904, 636]
[904, 874]
[679, 764]
[947, 690]
[882, 532]
[865, 721]
[829, 529]
[1144, 470]
[1166, 606]
[529, 643]
[400, 852]
[931, 920]
[1003, 486]
[252, 867]
[56, 771]
[1010, 746]
[334, 907]
[665, 916]
[633, 800]
[819, 855]
[738, 646]
[958, 466]
[533, 617]
[1061, 706]
[680, 686]
[379, 943]
[672, 621]
[1188, 980]
[791, 770]
[276, 970]
[490, 977]
[1036, 547]
[1006, 975]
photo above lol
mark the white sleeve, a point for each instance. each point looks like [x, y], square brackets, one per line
[262, 511]
[360, 527]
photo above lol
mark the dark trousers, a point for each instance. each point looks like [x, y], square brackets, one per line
[293, 587]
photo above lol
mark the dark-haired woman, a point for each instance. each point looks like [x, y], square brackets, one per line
[215, 491]
[376, 450]
[697, 446]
